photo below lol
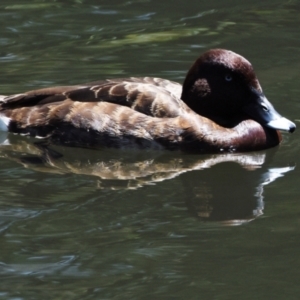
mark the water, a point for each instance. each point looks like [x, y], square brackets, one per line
[113, 224]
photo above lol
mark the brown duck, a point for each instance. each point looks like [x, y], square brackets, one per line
[219, 107]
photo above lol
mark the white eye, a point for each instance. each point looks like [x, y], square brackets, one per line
[228, 77]
[264, 107]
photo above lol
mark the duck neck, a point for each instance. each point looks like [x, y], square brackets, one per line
[248, 135]
[206, 106]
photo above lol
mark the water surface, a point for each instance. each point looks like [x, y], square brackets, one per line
[113, 224]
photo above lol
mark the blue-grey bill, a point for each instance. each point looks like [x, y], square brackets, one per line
[282, 124]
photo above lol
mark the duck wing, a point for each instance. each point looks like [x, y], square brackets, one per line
[151, 96]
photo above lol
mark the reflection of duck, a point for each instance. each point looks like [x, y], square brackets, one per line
[136, 170]
[209, 193]
[223, 109]
[234, 199]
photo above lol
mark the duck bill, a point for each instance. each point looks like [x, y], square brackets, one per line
[262, 111]
[282, 124]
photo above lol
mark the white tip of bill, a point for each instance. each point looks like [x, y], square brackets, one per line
[282, 124]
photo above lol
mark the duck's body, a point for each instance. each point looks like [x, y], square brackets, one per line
[153, 112]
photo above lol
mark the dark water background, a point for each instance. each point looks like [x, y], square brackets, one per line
[113, 224]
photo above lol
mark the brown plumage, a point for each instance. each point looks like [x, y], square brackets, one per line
[220, 107]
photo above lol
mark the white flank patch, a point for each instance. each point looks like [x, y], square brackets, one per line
[4, 122]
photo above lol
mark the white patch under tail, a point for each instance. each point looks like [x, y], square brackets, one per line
[4, 122]
[2, 98]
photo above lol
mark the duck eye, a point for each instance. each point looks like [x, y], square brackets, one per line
[228, 77]
[264, 107]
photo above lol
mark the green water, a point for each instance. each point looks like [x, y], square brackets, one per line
[113, 224]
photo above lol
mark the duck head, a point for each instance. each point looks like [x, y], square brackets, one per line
[222, 86]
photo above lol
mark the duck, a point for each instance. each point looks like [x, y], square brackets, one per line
[220, 107]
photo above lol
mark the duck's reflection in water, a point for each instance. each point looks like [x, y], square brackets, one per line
[231, 194]
[225, 188]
